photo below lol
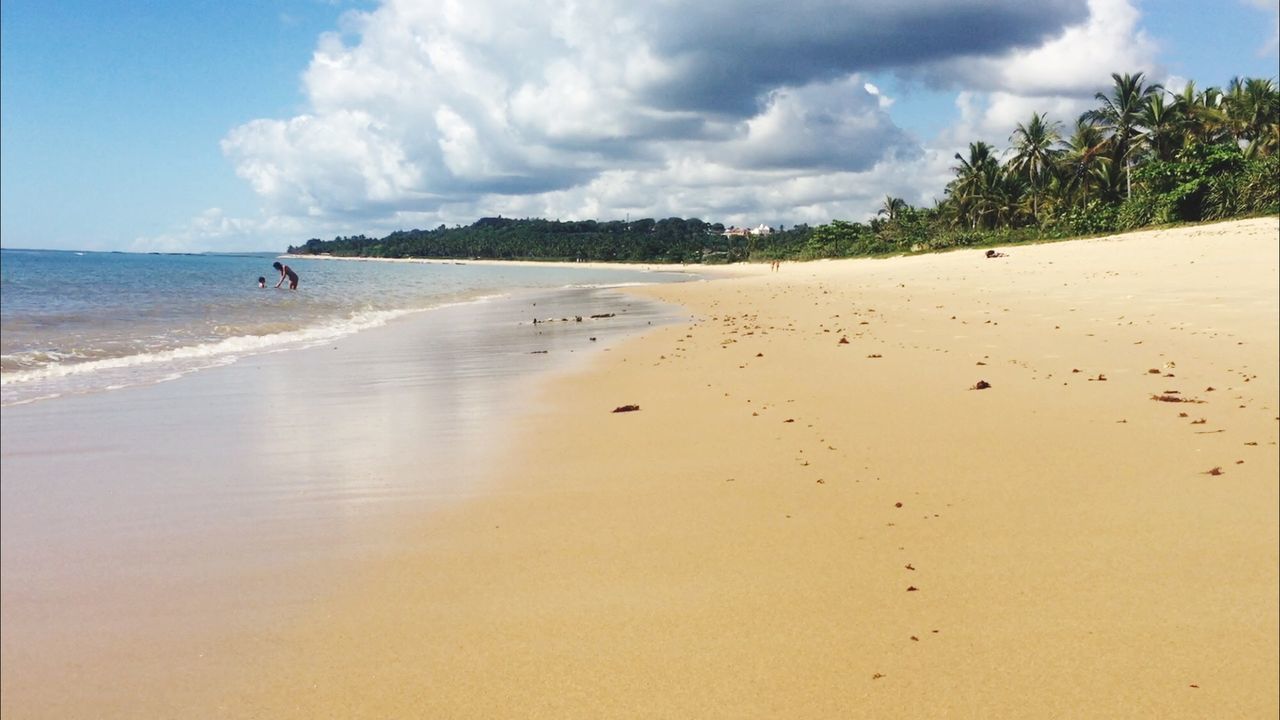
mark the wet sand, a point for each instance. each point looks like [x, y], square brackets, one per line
[814, 513]
[156, 538]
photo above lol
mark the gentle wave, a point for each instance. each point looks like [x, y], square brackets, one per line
[145, 319]
[212, 354]
[605, 286]
[229, 348]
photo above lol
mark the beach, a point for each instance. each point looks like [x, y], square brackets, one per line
[1036, 485]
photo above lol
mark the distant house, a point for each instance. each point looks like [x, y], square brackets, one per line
[743, 232]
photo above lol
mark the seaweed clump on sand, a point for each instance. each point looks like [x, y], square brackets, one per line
[1170, 397]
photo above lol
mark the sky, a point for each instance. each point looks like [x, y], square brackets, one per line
[154, 125]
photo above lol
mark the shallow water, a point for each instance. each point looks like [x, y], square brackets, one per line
[145, 530]
[76, 322]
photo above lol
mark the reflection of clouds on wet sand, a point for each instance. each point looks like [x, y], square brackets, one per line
[192, 513]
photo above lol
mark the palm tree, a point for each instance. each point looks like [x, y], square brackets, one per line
[1083, 156]
[1203, 120]
[1251, 107]
[975, 186]
[1035, 148]
[892, 208]
[1163, 121]
[1121, 116]
[1006, 195]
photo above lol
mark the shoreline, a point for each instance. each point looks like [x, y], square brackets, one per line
[796, 525]
[113, 363]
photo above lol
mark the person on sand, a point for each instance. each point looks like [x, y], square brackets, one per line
[994, 254]
[286, 272]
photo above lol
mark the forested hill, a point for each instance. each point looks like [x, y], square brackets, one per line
[669, 240]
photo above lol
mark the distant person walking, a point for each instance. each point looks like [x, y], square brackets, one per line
[286, 272]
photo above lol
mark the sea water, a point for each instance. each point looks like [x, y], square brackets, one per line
[78, 322]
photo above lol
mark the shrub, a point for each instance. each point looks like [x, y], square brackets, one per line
[1096, 218]
[1259, 186]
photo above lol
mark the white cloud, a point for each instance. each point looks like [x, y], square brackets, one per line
[1058, 78]
[1076, 63]
[421, 113]
[832, 125]
[883, 100]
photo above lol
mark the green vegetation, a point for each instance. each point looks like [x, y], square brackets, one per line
[1144, 156]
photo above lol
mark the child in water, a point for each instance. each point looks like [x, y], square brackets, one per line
[262, 282]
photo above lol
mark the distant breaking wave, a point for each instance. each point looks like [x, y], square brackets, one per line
[112, 373]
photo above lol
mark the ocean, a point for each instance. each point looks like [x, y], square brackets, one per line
[82, 322]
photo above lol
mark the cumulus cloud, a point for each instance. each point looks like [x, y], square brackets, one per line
[445, 111]
[1058, 78]
[1074, 63]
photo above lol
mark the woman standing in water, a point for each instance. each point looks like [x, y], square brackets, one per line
[286, 272]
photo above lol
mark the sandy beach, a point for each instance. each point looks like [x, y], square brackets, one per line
[1038, 485]
[815, 514]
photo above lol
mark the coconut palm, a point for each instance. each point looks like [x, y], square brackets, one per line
[1251, 107]
[1084, 155]
[976, 177]
[1006, 198]
[1121, 116]
[1035, 150]
[1202, 116]
[1163, 121]
[892, 208]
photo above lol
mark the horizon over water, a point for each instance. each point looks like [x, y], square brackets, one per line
[73, 322]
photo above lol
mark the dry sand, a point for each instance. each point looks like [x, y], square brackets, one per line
[797, 526]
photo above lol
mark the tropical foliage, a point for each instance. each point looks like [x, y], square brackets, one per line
[1144, 155]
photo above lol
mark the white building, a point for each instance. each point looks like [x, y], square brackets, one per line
[743, 232]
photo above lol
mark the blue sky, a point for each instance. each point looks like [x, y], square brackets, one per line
[252, 125]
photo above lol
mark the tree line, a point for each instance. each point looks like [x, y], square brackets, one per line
[1145, 155]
